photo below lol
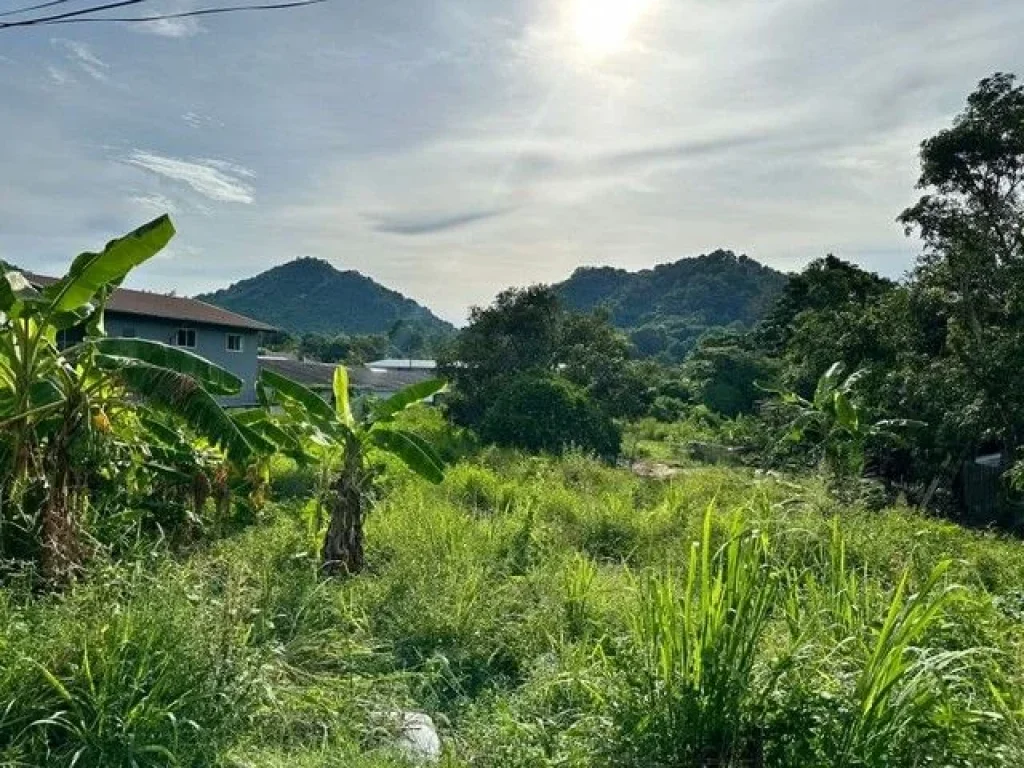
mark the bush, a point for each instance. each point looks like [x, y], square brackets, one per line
[667, 409]
[539, 413]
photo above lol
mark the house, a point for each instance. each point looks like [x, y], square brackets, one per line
[362, 380]
[225, 338]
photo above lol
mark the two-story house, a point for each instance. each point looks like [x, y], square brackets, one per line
[226, 338]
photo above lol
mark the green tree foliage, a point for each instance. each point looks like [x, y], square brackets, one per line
[597, 358]
[542, 413]
[970, 220]
[728, 373]
[527, 332]
[826, 313]
[945, 346]
[825, 284]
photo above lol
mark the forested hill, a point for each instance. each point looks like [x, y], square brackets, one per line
[665, 309]
[311, 296]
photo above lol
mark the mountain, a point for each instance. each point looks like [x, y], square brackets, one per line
[311, 296]
[665, 309]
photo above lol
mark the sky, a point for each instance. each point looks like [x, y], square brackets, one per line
[452, 148]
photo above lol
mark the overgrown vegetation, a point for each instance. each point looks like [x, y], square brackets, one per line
[544, 612]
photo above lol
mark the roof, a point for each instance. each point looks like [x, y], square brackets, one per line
[393, 363]
[146, 304]
[321, 375]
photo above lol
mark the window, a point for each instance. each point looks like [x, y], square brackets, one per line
[186, 338]
[234, 342]
[129, 332]
[70, 336]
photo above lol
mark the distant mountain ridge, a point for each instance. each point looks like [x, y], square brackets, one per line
[309, 295]
[666, 308]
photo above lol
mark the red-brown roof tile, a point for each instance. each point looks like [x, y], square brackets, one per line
[146, 304]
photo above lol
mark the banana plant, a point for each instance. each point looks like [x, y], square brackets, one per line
[50, 397]
[343, 442]
[836, 423]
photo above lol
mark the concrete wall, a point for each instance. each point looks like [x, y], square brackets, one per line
[211, 343]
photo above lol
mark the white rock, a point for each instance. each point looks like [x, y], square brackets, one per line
[415, 736]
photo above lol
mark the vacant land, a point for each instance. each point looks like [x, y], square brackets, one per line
[544, 612]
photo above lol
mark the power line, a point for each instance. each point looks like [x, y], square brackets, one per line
[34, 7]
[80, 12]
[84, 15]
[198, 12]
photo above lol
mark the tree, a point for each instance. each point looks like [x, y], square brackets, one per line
[52, 397]
[537, 412]
[341, 443]
[834, 424]
[527, 332]
[517, 334]
[824, 284]
[971, 220]
[728, 373]
[596, 357]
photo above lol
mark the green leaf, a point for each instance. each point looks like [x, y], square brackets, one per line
[62, 320]
[847, 414]
[161, 432]
[14, 290]
[416, 393]
[260, 423]
[182, 396]
[316, 408]
[215, 380]
[260, 443]
[90, 272]
[341, 404]
[412, 450]
[827, 385]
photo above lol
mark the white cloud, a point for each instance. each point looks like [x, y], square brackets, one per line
[83, 57]
[173, 28]
[216, 183]
[155, 203]
[59, 76]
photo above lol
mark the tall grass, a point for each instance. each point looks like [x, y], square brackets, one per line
[698, 650]
[545, 613]
[901, 685]
[129, 676]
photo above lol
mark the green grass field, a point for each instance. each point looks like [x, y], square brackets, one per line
[545, 612]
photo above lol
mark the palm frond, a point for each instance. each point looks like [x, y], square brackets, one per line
[183, 396]
[214, 379]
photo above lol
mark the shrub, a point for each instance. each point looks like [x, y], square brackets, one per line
[549, 414]
[667, 409]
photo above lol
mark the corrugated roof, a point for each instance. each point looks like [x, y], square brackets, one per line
[398, 364]
[146, 304]
[321, 375]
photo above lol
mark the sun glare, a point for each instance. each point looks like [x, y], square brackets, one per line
[602, 27]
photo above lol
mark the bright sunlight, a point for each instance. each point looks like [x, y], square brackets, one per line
[602, 27]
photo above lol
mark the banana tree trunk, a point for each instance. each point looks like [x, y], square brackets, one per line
[343, 544]
[62, 550]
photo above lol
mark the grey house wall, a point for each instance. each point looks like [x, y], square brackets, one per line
[211, 343]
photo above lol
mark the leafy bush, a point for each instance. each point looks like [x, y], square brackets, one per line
[667, 409]
[548, 414]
